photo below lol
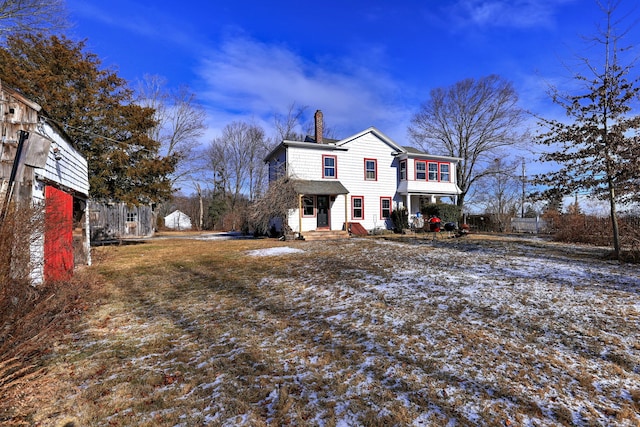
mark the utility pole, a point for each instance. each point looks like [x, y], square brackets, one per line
[524, 180]
[22, 137]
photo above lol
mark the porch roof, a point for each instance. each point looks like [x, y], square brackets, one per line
[319, 187]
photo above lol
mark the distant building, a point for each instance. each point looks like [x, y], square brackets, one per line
[177, 220]
[111, 221]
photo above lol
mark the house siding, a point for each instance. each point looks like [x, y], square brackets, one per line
[369, 146]
[307, 163]
[413, 185]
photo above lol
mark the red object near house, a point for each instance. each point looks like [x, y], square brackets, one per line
[58, 235]
[357, 229]
[434, 224]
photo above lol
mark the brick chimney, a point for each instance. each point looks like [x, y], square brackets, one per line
[318, 120]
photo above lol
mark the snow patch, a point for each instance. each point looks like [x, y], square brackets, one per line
[274, 251]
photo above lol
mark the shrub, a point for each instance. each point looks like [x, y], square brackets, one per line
[446, 212]
[594, 230]
[400, 218]
[18, 230]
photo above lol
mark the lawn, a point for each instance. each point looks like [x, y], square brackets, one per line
[362, 332]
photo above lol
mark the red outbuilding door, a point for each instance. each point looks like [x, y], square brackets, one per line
[58, 235]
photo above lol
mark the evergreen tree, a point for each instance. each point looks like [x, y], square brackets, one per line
[95, 107]
[555, 202]
[597, 150]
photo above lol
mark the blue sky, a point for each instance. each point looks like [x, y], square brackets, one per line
[363, 63]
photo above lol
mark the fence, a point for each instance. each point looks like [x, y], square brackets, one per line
[529, 225]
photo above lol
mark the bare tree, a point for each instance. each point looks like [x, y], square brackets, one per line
[287, 126]
[32, 16]
[274, 205]
[500, 190]
[598, 151]
[472, 120]
[180, 122]
[296, 125]
[236, 159]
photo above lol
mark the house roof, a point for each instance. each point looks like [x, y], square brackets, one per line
[417, 153]
[333, 145]
[301, 144]
[310, 138]
[177, 212]
[319, 187]
[413, 150]
[377, 133]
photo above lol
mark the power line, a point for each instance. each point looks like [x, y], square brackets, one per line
[65, 126]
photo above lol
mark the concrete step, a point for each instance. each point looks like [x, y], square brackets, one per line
[325, 235]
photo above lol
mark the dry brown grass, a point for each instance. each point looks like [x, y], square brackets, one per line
[31, 335]
[189, 332]
[32, 317]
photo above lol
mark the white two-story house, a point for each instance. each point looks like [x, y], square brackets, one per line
[360, 179]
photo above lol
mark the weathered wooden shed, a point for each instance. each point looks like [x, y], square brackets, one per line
[110, 221]
[40, 167]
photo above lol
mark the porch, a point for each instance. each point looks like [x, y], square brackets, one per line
[413, 201]
[322, 210]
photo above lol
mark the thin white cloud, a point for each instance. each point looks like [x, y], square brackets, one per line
[246, 77]
[146, 21]
[519, 14]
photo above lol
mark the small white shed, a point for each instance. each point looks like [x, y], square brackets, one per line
[177, 220]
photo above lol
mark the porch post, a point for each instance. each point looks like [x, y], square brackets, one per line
[299, 214]
[346, 213]
[409, 204]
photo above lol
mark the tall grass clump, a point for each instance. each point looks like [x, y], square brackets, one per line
[596, 230]
[31, 314]
[19, 230]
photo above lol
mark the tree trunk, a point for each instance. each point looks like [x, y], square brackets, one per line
[614, 221]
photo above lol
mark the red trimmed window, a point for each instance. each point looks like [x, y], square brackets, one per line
[370, 169]
[403, 170]
[357, 207]
[421, 170]
[329, 166]
[385, 207]
[433, 171]
[308, 206]
[445, 172]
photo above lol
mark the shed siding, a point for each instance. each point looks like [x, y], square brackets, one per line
[42, 180]
[109, 221]
[71, 170]
[178, 220]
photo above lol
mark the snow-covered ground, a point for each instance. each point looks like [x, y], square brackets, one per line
[476, 332]
[422, 333]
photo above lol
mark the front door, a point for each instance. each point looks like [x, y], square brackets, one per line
[323, 211]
